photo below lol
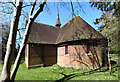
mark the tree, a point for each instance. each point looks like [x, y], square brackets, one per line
[0, 43]
[110, 30]
[108, 7]
[5, 75]
[112, 8]
[5, 33]
[109, 27]
[32, 17]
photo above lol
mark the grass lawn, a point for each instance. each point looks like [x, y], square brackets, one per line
[56, 72]
[61, 73]
[114, 57]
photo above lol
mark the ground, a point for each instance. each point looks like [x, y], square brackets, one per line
[56, 72]
[61, 73]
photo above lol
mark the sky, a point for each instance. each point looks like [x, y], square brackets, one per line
[49, 14]
[49, 17]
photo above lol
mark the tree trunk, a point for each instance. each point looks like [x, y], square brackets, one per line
[5, 75]
[25, 38]
[109, 59]
[21, 50]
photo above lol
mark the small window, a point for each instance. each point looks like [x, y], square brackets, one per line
[66, 50]
[88, 48]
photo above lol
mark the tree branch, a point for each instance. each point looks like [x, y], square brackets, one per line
[29, 5]
[32, 9]
[81, 7]
[72, 7]
[12, 4]
[39, 9]
[8, 2]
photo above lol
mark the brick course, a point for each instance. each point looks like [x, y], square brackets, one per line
[79, 58]
[38, 55]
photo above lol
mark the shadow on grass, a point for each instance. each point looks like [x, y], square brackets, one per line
[70, 76]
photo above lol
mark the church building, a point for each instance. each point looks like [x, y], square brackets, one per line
[75, 44]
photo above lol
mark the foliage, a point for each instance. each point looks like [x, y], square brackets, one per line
[5, 33]
[114, 57]
[108, 6]
[110, 29]
[6, 11]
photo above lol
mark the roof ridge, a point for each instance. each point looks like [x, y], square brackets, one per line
[45, 25]
[58, 39]
[91, 26]
[70, 20]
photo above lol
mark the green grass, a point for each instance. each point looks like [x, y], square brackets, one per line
[62, 73]
[114, 57]
[56, 72]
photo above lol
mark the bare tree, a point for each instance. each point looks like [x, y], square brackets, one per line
[5, 75]
[32, 17]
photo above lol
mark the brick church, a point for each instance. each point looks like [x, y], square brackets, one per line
[75, 44]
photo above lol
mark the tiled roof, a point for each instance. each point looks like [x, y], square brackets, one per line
[44, 34]
[75, 29]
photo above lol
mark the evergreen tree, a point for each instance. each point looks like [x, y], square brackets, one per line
[113, 7]
[110, 28]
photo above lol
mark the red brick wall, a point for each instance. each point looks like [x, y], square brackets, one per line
[36, 55]
[40, 54]
[77, 56]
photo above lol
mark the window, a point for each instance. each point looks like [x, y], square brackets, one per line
[88, 48]
[66, 50]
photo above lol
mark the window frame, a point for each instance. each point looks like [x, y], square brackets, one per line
[88, 48]
[66, 50]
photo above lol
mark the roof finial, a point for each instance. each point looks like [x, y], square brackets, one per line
[58, 24]
[78, 13]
